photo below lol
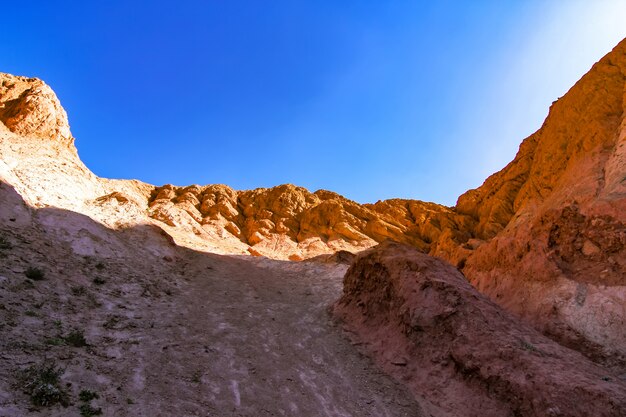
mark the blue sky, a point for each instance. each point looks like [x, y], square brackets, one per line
[373, 100]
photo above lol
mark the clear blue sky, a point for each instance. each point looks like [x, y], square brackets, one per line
[371, 99]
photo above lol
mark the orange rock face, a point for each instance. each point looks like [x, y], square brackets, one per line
[555, 218]
[28, 107]
[290, 222]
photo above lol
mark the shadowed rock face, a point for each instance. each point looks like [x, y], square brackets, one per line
[426, 325]
[545, 237]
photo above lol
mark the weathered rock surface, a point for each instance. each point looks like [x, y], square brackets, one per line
[289, 222]
[28, 107]
[426, 325]
[555, 218]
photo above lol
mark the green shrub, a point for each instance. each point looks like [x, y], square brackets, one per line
[41, 383]
[78, 291]
[54, 341]
[4, 243]
[99, 281]
[87, 410]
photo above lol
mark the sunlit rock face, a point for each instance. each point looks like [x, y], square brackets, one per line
[544, 237]
[290, 222]
[554, 218]
[28, 107]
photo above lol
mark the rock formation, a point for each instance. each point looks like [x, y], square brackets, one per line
[424, 323]
[554, 218]
[545, 237]
[290, 222]
[28, 107]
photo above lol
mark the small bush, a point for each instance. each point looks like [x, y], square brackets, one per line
[86, 395]
[41, 383]
[76, 338]
[87, 410]
[100, 266]
[196, 378]
[54, 341]
[34, 273]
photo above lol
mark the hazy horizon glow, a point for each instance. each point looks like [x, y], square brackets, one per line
[372, 100]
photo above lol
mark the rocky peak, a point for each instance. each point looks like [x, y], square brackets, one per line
[565, 159]
[29, 107]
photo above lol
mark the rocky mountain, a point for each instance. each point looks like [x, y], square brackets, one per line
[284, 222]
[544, 238]
[554, 219]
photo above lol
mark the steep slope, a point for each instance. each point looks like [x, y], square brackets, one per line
[554, 218]
[142, 327]
[39, 159]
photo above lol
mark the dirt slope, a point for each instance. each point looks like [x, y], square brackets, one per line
[170, 331]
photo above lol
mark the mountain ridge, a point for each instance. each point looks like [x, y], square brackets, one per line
[544, 237]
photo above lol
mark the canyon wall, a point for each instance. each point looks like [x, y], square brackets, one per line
[545, 237]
